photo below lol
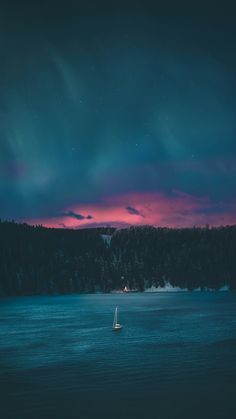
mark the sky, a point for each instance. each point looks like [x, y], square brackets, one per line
[117, 113]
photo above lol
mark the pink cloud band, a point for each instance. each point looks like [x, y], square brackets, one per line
[178, 210]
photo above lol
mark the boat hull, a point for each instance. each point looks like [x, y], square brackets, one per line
[117, 328]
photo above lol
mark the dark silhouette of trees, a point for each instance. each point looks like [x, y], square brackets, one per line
[37, 260]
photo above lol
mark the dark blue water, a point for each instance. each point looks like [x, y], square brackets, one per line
[175, 357]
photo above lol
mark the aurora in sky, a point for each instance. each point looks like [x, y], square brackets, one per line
[117, 115]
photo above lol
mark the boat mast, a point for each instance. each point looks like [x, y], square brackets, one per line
[115, 318]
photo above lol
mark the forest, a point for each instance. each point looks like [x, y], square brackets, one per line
[35, 260]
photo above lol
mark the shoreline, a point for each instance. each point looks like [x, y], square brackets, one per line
[185, 291]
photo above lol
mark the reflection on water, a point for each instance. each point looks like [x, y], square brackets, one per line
[175, 357]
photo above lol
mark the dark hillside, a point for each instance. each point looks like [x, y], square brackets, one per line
[37, 260]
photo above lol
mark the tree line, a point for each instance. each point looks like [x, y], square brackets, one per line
[38, 260]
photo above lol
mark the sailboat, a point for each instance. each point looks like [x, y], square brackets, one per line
[116, 325]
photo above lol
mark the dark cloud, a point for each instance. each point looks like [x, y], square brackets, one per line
[133, 211]
[75, 215]
[62, 225]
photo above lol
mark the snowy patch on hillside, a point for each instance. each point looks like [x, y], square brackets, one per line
[169, 288]
[106, 238]
[224, 288]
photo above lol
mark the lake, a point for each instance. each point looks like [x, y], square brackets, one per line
[174, 358]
